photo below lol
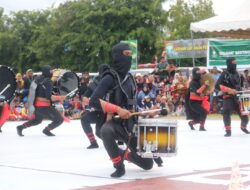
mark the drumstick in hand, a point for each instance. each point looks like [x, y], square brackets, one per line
[142, 112]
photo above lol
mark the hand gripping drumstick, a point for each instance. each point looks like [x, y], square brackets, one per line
[8, 85]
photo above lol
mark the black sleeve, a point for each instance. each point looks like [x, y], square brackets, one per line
[49, 88]
[106, 84]
[87, 93]
[194, 86]
[220, 81]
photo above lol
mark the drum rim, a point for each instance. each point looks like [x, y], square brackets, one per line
[15, 83]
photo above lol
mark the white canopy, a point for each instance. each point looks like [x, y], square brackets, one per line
[234, 24]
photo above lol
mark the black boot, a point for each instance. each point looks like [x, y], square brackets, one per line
[0, 130]
[191, 125]
[245, 130]
[202, 129]
[20, 130]
[47, 132]
[120, 170]
[228, 133]
[158, 161]
[93, 145]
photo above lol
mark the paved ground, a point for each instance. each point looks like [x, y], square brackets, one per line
[204, 161]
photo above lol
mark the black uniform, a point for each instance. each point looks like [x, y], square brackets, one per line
[43, 90]
[97, 117]
[231, 78]
[123, 93]
[193, 103]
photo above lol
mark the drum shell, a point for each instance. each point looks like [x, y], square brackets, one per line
[157, 138]
[244, 104]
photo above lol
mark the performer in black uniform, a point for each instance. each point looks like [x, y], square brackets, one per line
[97, 117]
[230, 83]
[194, 109]
[42, 103]
[123, 87]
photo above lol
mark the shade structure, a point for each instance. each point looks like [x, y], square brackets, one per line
[235, 24]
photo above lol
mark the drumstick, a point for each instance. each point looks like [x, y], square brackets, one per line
[243, 91]
[142, 112]
[8, 85]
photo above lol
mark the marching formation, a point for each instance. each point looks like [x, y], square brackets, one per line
[110, 102]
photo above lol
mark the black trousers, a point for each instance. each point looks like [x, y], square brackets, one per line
[45, 113]
[229, 106]
[199, 113]
[112, 131]
[93, 117]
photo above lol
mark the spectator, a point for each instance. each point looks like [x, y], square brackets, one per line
[141, 96]
[20, 81]
[84, 84]
[161, 68]
[27, 81]
[139, 81]
[213, 97]
[246, 81]
[24, 115]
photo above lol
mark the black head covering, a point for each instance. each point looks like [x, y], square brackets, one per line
[195, 73]
[46, 71]
[121, 63]
[102, 68]
[231, 67]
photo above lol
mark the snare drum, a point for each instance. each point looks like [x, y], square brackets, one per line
[64, 81]
[245, 104]
[156, 138]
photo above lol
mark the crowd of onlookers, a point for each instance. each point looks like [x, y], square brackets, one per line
[163, 90]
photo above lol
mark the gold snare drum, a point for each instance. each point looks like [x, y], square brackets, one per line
[157, 138]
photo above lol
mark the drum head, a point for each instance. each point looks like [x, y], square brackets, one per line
[7, 83]
[67, 83]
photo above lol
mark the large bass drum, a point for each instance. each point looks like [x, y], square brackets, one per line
[64, 81]
[8, 84]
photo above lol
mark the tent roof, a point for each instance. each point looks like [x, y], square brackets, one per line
[234, 24]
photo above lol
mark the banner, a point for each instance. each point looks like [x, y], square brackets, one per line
[133, 45]
[180, 49]
[219, 51]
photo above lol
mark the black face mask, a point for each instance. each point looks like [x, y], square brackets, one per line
[121, 63]
[231, 67]
[195, 74]
[46, 71]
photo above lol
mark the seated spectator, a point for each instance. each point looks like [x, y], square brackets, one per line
[75, 108]
[163, 106]
[24, 109]
[151, 84]
[139, 81]
[141, 95]
[15, 110]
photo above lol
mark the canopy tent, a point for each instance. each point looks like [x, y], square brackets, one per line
[235, 24]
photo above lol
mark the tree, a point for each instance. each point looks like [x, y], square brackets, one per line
[80, 34]
[182, 14]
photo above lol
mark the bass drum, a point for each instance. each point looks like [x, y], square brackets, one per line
[64, 81]
[8, 84]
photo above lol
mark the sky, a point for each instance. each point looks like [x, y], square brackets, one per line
[220, 6]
